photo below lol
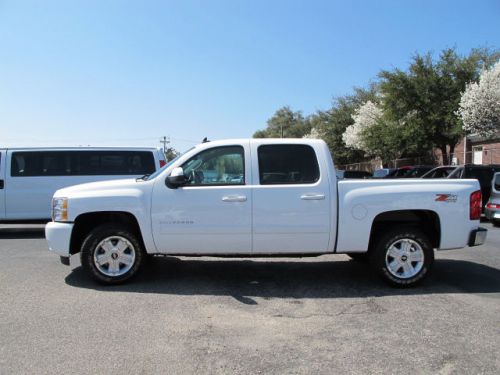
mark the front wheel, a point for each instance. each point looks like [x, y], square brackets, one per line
[112, 254]
[403, 256]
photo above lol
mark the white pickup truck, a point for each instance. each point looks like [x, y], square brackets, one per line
[256, 197]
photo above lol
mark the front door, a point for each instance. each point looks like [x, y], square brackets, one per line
[292, 201]
[478, 155]
[212, 213]
[2, 184]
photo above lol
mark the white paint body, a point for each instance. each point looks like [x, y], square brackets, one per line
[251, 219]
[28, 198]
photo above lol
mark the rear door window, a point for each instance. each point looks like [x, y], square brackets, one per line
[287, 164]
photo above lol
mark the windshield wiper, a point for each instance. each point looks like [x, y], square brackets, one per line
[143, 178]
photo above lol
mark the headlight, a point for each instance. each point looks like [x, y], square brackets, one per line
[60, 209]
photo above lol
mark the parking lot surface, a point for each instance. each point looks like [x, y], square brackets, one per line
[320, 315]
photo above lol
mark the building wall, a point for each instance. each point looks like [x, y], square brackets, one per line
[490, 153]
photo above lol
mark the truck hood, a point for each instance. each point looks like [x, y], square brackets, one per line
[98, 188]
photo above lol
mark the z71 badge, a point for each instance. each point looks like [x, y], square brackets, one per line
[451, 198]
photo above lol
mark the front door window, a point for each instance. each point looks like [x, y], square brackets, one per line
[216, 166]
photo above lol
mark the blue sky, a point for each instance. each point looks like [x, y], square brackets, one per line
[128, 72]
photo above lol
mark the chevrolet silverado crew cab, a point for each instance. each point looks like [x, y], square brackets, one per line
[261, 197]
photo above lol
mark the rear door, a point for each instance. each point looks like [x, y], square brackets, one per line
[291, 199]
[2, 184]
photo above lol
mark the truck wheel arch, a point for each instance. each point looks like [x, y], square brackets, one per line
[86, 222]
[426, 220]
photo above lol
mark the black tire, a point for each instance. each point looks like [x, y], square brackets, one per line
[496, 223]
[91, 245]
[358, 257]
[416, 244]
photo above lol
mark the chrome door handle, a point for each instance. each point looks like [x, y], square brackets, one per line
[234, 198]
[312, 197]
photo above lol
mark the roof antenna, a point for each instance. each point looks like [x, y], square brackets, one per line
[205, 140]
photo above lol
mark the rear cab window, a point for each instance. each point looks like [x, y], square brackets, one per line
[287, 164]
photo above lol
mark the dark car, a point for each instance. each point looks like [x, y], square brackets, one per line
[353, 174]
[398, 172]
[440, 172]
[481, 172]
[409, 171]
[418, 171]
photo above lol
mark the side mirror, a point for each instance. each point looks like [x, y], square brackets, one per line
[176, 178]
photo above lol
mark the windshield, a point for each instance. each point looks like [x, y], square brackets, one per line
[439, 172]
[159, 171]
[456, 173]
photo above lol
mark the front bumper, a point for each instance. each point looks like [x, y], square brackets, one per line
[478, 236]
[58, 236]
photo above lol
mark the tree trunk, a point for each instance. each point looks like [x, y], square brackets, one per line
[452, 151]
[444, 153]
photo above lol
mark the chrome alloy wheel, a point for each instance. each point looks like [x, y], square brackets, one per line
[404, 258]
[114, 256]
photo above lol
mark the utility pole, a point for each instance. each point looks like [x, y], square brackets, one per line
[165, 140]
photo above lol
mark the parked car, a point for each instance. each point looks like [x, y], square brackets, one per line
[481, 172]
[409, 171]
[440, 172]
[492, 210]
[353, 174]
[29, 177]
[398, 172]
[417, 171]
[382, 172]
[287, 203]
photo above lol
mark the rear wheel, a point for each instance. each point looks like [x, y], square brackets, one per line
[112, 254]
[403, 256]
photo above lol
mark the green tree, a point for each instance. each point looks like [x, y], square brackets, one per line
[285, 123]
[171, 153]
[424, 99]
[332, 123]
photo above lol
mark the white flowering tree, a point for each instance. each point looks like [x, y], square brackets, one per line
[366, 116]
[480, 104]
[314, 134]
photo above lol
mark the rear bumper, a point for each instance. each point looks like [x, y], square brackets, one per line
[58, 236]
[478, 236]
[492, 214]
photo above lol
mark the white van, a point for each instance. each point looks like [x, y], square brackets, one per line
[29, 177]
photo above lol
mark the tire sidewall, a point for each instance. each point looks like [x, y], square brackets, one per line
[378, 258]
[89, 247]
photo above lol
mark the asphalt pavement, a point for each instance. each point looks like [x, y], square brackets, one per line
[324, 315]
